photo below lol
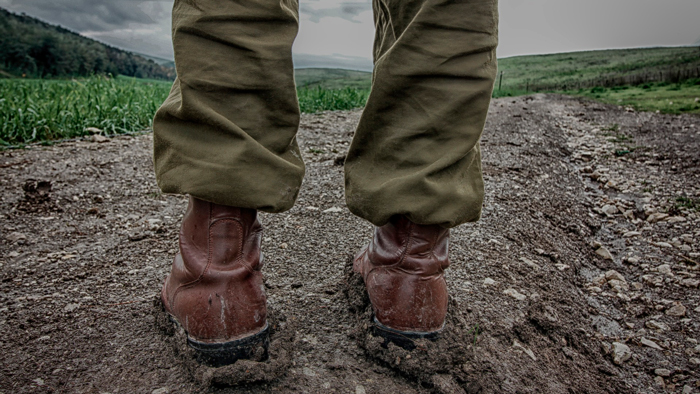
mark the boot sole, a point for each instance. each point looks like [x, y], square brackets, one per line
[220, 354]
[226, 353]
[403, 339]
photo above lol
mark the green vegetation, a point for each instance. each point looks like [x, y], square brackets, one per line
[45, 110]
[329, 78]
[31, 48]
[607, 68]
[678, 98]
[683, 202]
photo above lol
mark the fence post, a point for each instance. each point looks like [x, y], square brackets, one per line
[500, 81]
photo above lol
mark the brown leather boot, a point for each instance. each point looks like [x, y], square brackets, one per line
[402, 268]
[215, 289]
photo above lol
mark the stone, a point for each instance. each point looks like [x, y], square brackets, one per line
[162, 390]
[655, 325]
[14, 237]
[308, 372]
[561, 267]
[649, 343]
[93, 130]
[664, 269]
[690, 282]
[662, 372]
[610, 209]
[333, 210]
[618, 286]
[530, 263]
[630, 234]
[675, 219]
[634, 260]
[515, 294]
[359, 389]
[98, 138]
[662, 244]
[687, 389]
[659, 381]
[677, 310]
[656, 217]
[489, 282]
[620, 353]
[604, 253]
[526, 350]
[71, 307]
[614, 275]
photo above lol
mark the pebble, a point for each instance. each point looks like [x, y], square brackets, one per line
[620, 352]
[662, 244]
[308, 371]
[561, 267]
[630, 234]
[662, 372]
[649, 343]
[530, 263]
[677, 310]
[162, 390]
[489, 282]
[515, 294]
[604, 253]
[664, 269]
[610, 209]
[656, 217]
[333, 210]
[675, 219]
[691, 283]
[655, 325]
[614, 275]
[520, 346]
[359, 389]
[687, 389]
[99, 138]
[14, 237]
[71, 307]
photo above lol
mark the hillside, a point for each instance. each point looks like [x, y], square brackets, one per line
[332, 78]
[32, 48]
[613, 67]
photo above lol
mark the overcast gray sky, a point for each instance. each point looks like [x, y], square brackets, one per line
[336, 33]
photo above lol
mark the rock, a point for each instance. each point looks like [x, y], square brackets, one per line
[489, 282]
[530, 263]
[13, 254]
[655, 325]
[649, 343]
[514, 293]
[618, 286]
[162, 390]
[520, 346]
[604, 253]
[664, 269]
[691, 282]
[71, 307]
[610, 209]
[600, 280]
[93, 130]
[656, 217]
[629, 214]
[620, 353]
[634, 260]
[98, 138]
[630, 234]
[359, 389]
[14, 237]
[561, 267]
[659, 381]
[662, 244]
[687, 389]
[687, 238]
[38, 381]
[308, 372]
[677, 310]
[662, 372]
[675, 219]
[614, 275]
[311, 208]
[333, 210]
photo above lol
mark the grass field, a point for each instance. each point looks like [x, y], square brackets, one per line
[46, 110]
[664, 97]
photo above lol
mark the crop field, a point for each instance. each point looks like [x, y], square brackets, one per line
[47, 110]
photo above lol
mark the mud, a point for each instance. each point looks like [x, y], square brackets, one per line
[536, 305]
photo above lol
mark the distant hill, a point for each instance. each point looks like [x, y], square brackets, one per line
[332, 78]
[32, 48]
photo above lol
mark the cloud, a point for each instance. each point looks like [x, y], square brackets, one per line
[92, 15]
[303, 60]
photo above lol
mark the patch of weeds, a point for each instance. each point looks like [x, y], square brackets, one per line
[684, 202]
[316, 151]
[475, 331]
[155, 194]
[621, 152]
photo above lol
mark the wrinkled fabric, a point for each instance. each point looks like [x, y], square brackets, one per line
[226, 133]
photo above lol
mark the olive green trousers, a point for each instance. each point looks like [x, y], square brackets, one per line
[227, 132]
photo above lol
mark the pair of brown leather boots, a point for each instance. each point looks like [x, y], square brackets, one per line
[216, 293]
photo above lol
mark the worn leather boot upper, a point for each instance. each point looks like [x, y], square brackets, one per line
[403, 269]
[215, 290]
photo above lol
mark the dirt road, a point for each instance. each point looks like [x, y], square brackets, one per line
[581, 277]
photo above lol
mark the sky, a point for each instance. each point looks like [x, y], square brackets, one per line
[337, 33]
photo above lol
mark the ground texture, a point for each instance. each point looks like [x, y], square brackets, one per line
[581, 277]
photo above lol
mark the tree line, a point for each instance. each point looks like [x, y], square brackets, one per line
[32, 48]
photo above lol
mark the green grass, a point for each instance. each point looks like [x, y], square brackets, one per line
[667, 98]
[34, 111]
[45, 110]
[328, 78]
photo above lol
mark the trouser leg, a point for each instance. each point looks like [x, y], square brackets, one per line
[226, 134]
[416, 149]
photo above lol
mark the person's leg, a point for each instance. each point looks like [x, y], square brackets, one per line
[414, 167]
[416, 150]
[226, 133]
[226, 136]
